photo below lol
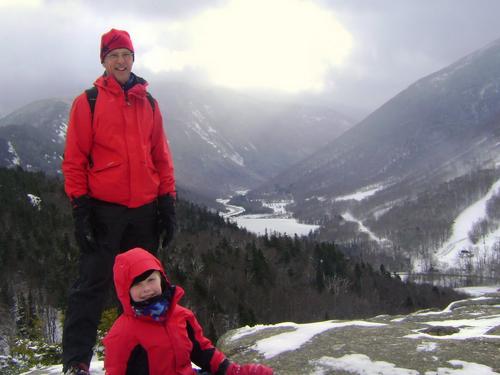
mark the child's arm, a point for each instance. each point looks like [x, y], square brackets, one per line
[205, 355]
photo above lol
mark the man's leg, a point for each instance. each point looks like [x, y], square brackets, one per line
[85, 303]
[88, 294]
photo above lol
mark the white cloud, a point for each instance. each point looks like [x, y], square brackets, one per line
[286, 45]
[20, 4]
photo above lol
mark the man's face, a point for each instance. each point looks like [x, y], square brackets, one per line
[118, 63]
[146, 289]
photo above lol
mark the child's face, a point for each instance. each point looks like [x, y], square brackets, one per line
[146, 289]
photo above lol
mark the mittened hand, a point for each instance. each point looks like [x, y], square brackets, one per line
[84, 232]
[253, 369]
[166, 219]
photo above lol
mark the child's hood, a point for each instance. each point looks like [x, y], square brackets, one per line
[128, 266]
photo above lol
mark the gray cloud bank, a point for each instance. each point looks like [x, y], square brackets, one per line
[51, 50]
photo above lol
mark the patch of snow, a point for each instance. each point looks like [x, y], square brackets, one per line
[35, 201]
[302, 333]
[450, 307]
[360, 364]
[361, 194]
[207, 137]
[467, 368]
[449, 253]
[278, 207]
[321, 199]
[363, 365]
[242, 192]
[477, 291]
[468, 328]
[96, 368]
[16, 160]
[427, 346]
[362, 228]
[62, 130]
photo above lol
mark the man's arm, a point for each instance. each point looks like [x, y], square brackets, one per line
[77, 150]
[161, 155]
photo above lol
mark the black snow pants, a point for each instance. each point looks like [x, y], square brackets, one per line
[117, 229]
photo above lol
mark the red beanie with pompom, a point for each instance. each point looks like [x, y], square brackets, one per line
[114, 39]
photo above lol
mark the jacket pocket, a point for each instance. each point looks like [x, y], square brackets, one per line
[99, 168]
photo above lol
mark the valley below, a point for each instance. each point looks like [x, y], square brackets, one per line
[280, 221]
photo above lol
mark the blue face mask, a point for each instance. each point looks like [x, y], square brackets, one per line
[155, 308]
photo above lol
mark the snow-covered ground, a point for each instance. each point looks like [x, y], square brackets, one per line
[449, 254]
[363, 365]
[96, 368]
[357, 363]
[477, 291]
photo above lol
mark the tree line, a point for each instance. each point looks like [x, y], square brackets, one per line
[232, 277]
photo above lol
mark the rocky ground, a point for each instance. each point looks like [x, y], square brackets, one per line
[462, 339]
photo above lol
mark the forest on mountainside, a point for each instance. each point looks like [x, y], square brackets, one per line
[413, 226]
[231, 277]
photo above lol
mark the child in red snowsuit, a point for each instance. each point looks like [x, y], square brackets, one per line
[155, 335]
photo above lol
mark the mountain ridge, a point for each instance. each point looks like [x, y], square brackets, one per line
[221, 141]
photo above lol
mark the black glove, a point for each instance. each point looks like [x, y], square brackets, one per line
[84, 233]
[166, 219]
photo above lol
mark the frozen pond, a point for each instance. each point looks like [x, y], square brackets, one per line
[278, 222]
[259, 224]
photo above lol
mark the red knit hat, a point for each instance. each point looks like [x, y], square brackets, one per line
[114, 39]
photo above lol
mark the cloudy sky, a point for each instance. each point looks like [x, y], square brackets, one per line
[357, 53]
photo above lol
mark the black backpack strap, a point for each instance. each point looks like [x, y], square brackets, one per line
[151, 101]
[92, 98]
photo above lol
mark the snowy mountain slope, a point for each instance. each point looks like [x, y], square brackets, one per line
[459, 247]
[33, 136]
[439, 127]
[222, 138]
[473, 242]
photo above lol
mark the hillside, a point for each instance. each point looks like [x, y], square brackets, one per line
[438, 128]
[232, 278]
[399, 179]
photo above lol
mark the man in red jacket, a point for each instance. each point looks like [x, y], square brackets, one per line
[119, 176]
[155, 335]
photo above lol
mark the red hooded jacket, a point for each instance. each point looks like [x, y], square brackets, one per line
[171, 345]
[122, 156]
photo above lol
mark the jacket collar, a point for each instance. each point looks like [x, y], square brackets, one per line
[136, 85]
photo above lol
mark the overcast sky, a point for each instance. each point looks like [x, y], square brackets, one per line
[358, 52]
